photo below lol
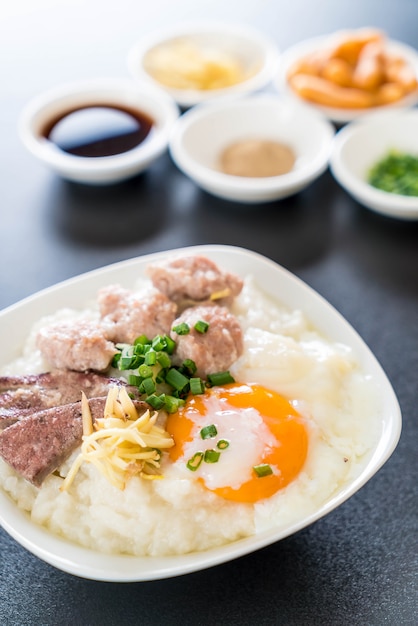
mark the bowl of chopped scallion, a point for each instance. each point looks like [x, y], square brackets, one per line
[375, 159]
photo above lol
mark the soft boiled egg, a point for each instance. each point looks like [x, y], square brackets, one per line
[242, 441]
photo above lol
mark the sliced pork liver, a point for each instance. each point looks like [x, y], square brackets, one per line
[38, 444]
[22, 395]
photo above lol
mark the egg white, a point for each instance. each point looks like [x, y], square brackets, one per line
[248, 438]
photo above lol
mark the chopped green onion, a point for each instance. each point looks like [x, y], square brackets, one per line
[396, 172]
[211, 456]
[194, 463]
[163, 359]
[142, 339]
[136, 362]
[160, 376]
[170, 344]
[151, 358]
[209, 431]
[176, 379]
[139, 349]
[134, 380]
[220, 378]
[158, 343]
[148, 386]
[126, 358]
[264, 469]
[222, 444]
[181, 329]
[116, 359]
[201, 326]
[189, 367]
[157, 402]
[197, 386]
[172, 404]
[145, 371]
[150, 364]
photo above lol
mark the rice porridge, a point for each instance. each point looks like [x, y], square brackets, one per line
[177, 514]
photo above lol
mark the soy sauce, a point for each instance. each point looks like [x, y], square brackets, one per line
[98, 130]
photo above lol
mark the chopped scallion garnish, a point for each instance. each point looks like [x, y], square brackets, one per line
[151, 358]
[142, 339]
[163, 359]
[145, 371]
[209, 431]
[160, 377]
[158, 343]
[126, 359]
[170, 344]
[148, 364]
[211, 456]
[222, 444]
[134, 380]
[176, 379]
[189, 367]
[220, 378]
[116, 359]
[157, 402]
[139, 349]
[201, 326]
[193, 463]
[148, 386]
[181, 329]
[197, 386]
[136, 361]
[173, 404]
[264, 469]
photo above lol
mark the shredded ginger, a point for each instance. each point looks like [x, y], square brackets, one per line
[122, 444]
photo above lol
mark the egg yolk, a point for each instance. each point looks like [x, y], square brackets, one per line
[277, 435]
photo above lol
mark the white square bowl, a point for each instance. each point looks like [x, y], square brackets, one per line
[15, 323]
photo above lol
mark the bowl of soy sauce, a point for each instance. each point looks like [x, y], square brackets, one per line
[99, 132]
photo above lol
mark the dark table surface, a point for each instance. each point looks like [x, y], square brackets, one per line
[358, 565]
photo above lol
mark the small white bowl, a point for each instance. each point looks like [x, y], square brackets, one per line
[256, 53]
[117, 92]
[361, 144]
[340, 116]
[201, 134]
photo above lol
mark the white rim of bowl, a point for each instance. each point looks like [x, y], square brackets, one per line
[240, 183]
[391, 204]
[302, 48]
[190, 97]
[105, 91]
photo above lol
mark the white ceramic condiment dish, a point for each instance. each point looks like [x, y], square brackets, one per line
[340, 116]
[104, 92]
[203, 133]
[363, 143]
[16, 323]
[254, 51]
